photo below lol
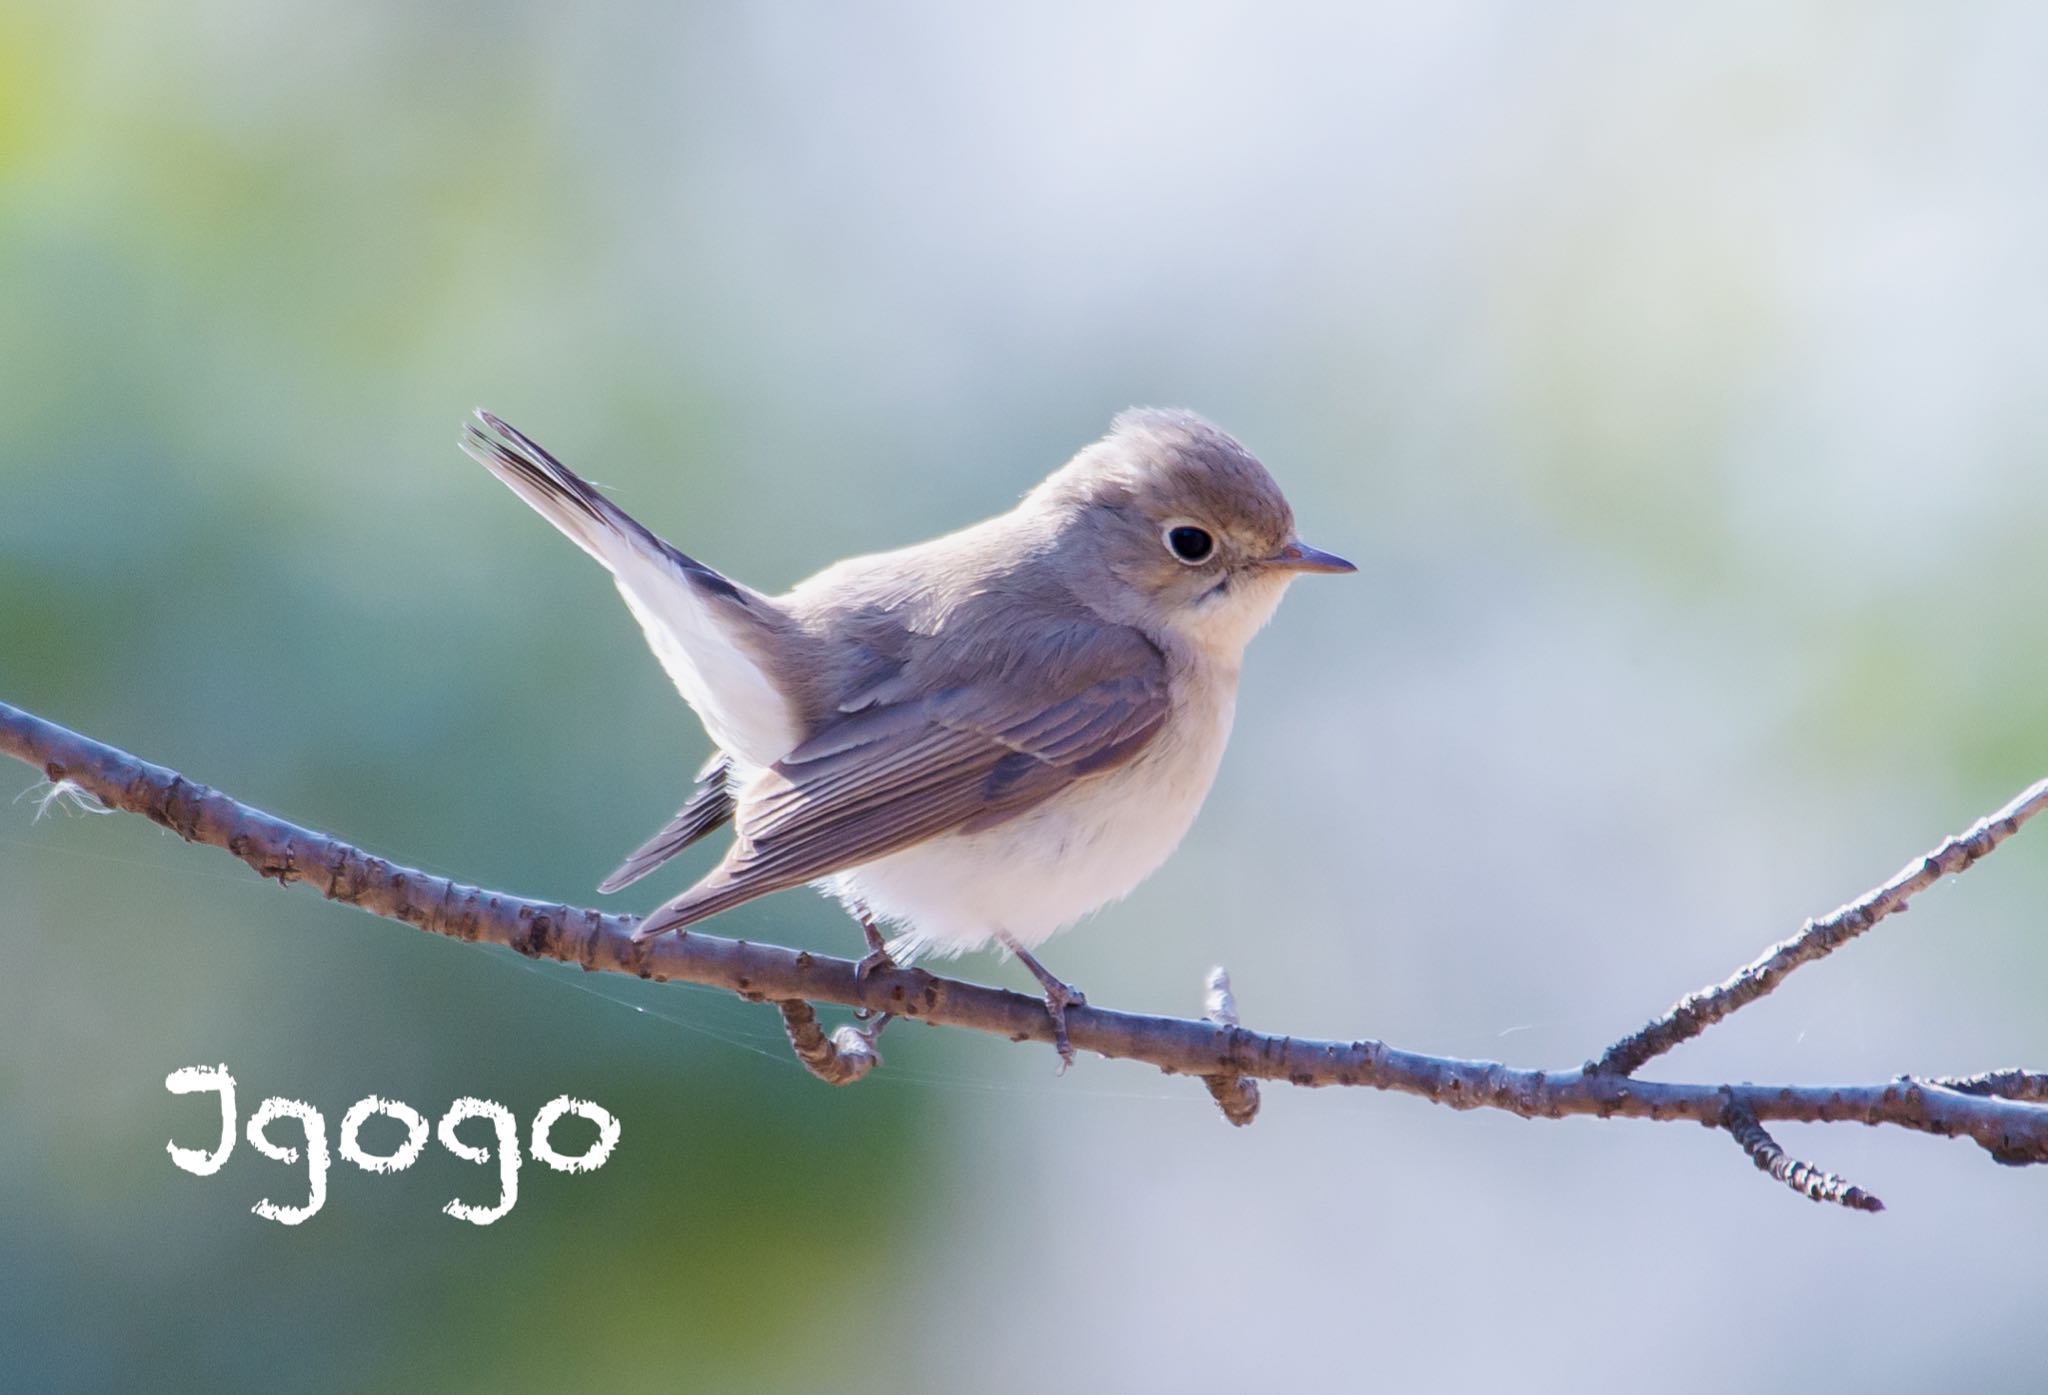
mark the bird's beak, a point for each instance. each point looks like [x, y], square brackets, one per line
[1298, 556]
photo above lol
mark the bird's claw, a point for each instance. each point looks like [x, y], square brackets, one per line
[1058, 998]
[875, 961]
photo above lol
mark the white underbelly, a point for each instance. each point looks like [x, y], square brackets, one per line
[1040, 872]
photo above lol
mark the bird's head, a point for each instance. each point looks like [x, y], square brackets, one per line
[1169, 525]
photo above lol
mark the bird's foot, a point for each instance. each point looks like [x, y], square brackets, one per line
[1059, 996]
[875, 961]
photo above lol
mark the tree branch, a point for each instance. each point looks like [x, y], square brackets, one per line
[1817, 939]
[2011, 1084]
[1804, 1178]
[1236, 1096]
[2000, 1113]
[840, 1059]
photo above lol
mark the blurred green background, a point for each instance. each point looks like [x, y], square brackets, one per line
[1674, 376]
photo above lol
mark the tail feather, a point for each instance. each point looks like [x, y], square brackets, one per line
[561, 496]
[716, 893]
[709, 633]
[707, 808]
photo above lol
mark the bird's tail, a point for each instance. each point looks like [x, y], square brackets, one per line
[554, 491]
[709, 632]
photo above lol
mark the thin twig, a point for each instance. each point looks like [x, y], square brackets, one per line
[1236, 1096]
[840, 1059]
[1804, 1178]
[2011, 1084]
[1697, 1011]
[2012, 1130]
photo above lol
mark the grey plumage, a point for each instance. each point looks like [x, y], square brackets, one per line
[709, 805]
[960, 760]
[930, 697]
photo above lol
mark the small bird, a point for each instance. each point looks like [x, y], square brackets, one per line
[978, 739]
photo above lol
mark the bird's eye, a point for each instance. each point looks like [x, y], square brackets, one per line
[1190, 544]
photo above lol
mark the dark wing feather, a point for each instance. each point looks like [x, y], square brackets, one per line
[885, 778]
[708, 807]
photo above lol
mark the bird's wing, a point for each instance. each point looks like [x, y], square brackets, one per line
[708, 806]
[958, 760]
[709, 632]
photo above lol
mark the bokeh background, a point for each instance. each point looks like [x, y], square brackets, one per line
[1674, 376]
